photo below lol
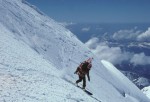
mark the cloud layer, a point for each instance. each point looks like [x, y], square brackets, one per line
[103, 51]
[132, 34]
[126, 34]
[85, 29]
[145, 36]
[140, 59]
[114, 54]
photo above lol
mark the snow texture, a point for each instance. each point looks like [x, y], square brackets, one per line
[37, 55]
[146, 91]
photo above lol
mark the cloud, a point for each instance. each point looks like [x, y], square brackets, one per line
[126, 34]
[111, 54]
[114, 54]
[99, 28]
[145, 36]
[103, 51]
[92, 43]
[132, 34]
[65, 24]
[140, 59]
[85, 29]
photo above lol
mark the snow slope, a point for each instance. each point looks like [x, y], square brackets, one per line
[38, 54]
[26, 77]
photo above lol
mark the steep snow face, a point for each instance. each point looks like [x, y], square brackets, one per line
[26, 77]
[40, 32]
[37, 54]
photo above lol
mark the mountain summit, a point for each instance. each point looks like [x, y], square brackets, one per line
[38, 55]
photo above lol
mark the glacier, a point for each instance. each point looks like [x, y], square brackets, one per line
[38, 55]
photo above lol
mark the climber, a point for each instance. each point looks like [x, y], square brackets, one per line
[83, 70]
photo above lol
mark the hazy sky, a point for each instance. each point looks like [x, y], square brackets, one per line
[95, 10]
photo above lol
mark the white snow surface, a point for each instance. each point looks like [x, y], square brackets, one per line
[146, 91]
[38, 55]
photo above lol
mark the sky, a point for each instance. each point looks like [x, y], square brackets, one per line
[96, 11]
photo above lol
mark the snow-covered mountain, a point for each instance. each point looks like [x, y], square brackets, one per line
[38, 55]
[146, 91]
[138, 80]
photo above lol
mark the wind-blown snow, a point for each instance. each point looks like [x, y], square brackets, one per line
[37, 54]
